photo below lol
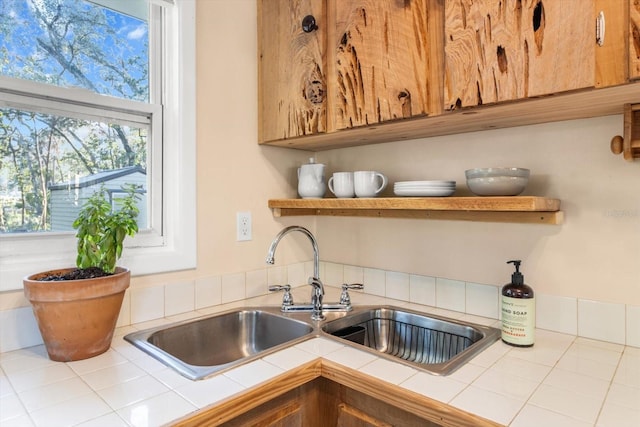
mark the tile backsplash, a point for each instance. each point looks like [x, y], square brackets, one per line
[599, 320]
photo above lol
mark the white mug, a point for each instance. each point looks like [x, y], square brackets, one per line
[368, 183]
[341, 184]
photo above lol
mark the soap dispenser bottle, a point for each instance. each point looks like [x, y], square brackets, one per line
[518, 310]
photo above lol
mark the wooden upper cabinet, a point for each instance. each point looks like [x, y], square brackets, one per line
[368, 62]
[634, 39]
[385, 61]
[504, 50]
[292, 82]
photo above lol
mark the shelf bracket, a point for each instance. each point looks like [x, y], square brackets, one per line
[629, 145]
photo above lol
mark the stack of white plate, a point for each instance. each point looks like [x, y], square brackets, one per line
[424, 188]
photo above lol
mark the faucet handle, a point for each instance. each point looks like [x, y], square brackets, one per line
[287, 298]
[345, 299]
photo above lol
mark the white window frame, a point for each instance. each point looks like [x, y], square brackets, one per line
[173, 247]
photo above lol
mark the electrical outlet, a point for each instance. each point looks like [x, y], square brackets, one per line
[243, 226]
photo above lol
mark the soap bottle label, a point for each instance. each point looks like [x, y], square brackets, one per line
[518, 320]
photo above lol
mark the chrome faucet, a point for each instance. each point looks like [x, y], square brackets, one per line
[317, 292]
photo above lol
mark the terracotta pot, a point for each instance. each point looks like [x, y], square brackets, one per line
[77, 317]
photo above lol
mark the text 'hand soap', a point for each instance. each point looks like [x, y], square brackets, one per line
[518, 311]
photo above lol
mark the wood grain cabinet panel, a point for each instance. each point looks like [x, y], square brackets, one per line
[504, 50]
[292, 81]
[634, 39]
[385, 55]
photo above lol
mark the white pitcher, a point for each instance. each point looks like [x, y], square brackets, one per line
[311, 184]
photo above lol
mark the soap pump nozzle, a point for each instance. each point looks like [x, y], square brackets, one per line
[516, 278]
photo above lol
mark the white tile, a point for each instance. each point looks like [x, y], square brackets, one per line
[149, 364]
[613, 415]
[109, 420]
[277, 275]
[6, 389]
[397, 285]
[467, 373]
[450, 294]
[633, 325]
[573, 405]
[319, 346]
[296, 274]
[170, 378]
[124, 317]
[577, 383]
[11, 408]
[113, 375]
[233, 287]
[333, 274]
[491, 355]
[386, 370]
[19, 329]
[599, 351]
[157, 410]
[290, 358]
[253, 373]
[179, 298]
[624, 395]
[534, 416]
[350, 357]
[422, 290]
[104, 360]
[208, 291]
[147, 303]
[40, 377]
[547, 350]
[20, 421]
[628, 372]
[434, 386]
[506, 384]
[25, 359]
[575, 362]
[601, 321]
[487, 404]
[557, 313]
[522, 368]
[353, 274]
[54, 393]
[71, 412]
[133, 391]
[482, 300]
[208, 391]
[374, 281]
[256, 282]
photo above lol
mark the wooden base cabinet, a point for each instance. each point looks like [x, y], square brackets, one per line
[326, 394]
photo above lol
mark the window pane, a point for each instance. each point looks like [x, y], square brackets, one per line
[50, 164]
[75, 43]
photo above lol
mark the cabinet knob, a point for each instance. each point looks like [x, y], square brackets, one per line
[309, 24]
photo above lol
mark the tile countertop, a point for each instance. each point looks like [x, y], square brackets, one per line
[562, 380]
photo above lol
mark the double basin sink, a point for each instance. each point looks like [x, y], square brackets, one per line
[201, 347]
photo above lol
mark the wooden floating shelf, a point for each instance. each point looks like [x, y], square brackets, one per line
[517, 209]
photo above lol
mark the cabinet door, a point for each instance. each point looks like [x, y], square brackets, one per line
[634, 42]
[291, 86]
[503, 50]
[387, 60]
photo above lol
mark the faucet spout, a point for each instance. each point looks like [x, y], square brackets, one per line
[317, 291]
[316, 257]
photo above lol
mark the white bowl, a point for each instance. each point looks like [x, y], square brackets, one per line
[497, 185]
[495, 172]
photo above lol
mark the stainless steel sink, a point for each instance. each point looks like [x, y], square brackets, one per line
[200, 347]
[436, 344]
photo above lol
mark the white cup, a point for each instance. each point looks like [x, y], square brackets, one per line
[341, 184]
[368, 183]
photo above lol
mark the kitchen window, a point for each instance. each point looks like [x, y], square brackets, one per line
[102, 92]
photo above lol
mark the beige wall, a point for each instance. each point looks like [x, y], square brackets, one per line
[594, 255]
